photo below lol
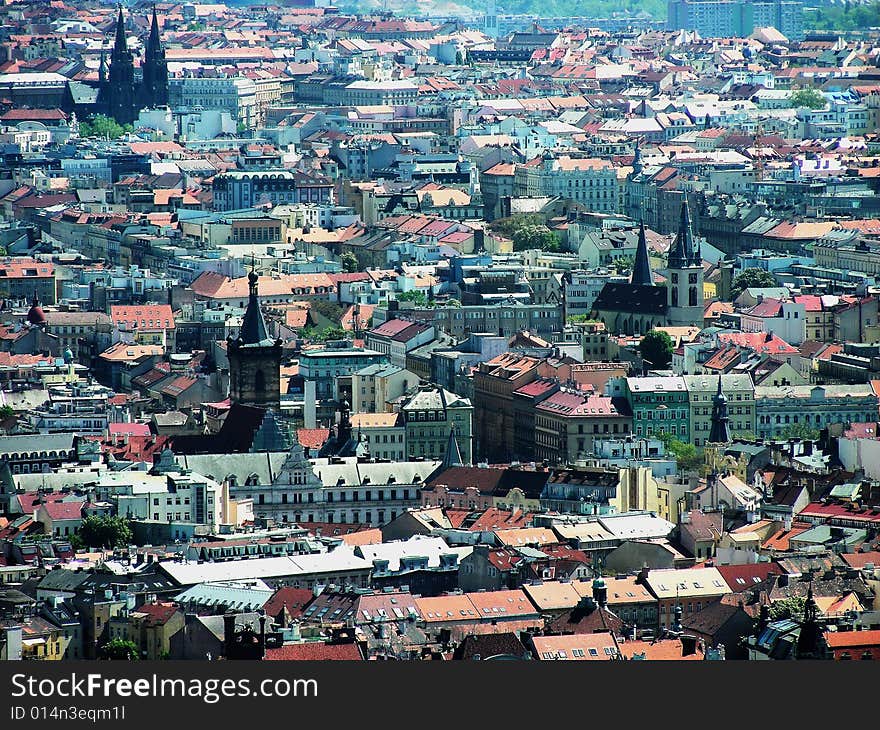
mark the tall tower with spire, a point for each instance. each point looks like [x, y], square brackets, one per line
[119, 91]
[254, 357]
[642, 275]
[154, 91]
[685, 273]
[720, 430]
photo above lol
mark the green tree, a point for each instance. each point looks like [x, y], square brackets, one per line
[624, 262]
[751, 278]
[415, 296]
[453, 302]
[6, 412]
[120, 650]
[656, 348]
[687, 458]
[540, 237]
[325, 334]
[786, 608]
[349, 263]
[103, 127]
[527, 231]
[807, 97]
[104, 531]
[800, 431]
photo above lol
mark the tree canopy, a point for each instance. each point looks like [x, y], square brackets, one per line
[102, 126]
[349, 262]
[656, 348]
[686, 455]
[104, 531]
[415, 296]
[527, 231]
[807, 97]
[786, 608]
[120, 650]
[751, 278]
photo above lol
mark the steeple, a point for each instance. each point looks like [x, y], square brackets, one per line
[254, 358]
[684, 251]
[120, 45]
[641, 274]
[810, 644]
[102, 70]
[120, 89]
[637, 165]
[253, 326]
[452, 457]
[720, 431]
[155, 82]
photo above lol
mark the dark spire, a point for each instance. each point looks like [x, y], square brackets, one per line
[452, 457]
[641, 274]
[810, 639]
[120, 45]
[684, 251]
[253, 326]
[102, 69]
[637, 159]
[120, 85]
[155, 83]
[720, 432]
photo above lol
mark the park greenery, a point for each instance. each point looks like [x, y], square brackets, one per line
[103, 127]
[656, 348]
[808, 98]
[103, 531]
[751, 278]
[528, 231]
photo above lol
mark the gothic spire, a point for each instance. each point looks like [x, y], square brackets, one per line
[253, 326]
[452, 457]
[684, 252]
[641, 274]
[120, 45]
[155, 68]
[720, 431]
[153, 40]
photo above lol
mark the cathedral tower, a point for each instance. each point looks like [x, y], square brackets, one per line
[120, 88]
[685, 273]
[155, 84]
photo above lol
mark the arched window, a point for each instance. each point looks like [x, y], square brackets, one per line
[692, 297]
[675, 297]
[259, 381]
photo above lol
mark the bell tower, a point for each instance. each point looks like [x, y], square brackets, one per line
[684, 288]
[254, 358]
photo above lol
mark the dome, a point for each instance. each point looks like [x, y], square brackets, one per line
[35, 315]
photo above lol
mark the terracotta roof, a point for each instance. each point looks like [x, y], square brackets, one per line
[315, 651]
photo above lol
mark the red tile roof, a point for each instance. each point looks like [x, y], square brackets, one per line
[315, 651]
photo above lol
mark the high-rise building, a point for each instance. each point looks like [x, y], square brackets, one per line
[735, 18]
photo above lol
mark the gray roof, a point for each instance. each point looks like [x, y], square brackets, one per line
[43, 442]
[265, 465]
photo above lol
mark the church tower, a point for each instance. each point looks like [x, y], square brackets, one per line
[254, 358]
[720, 431]
[641, 274]
[155, 83]
[120, 88]
[684, 295]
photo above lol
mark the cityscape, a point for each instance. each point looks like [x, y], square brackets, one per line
[406, 332]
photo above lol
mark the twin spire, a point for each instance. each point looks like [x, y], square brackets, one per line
[685, 251]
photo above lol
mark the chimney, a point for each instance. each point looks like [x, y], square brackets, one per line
[228, 633]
